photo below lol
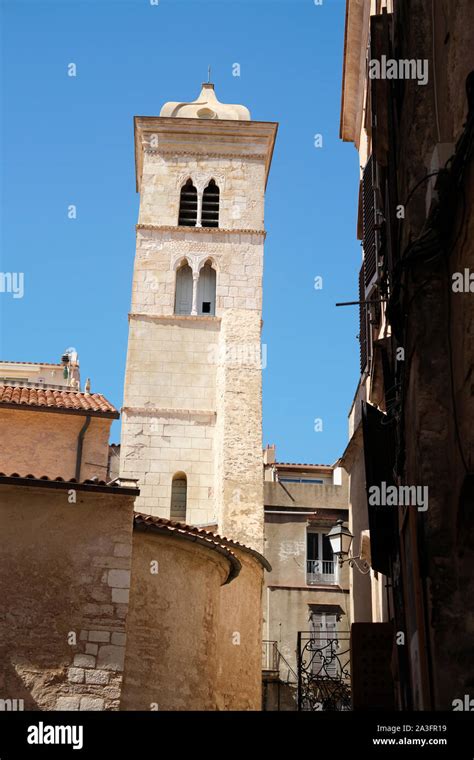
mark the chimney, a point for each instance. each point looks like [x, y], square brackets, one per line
[269, 454]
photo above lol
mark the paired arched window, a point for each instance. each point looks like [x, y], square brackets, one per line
[179, 488]
[210, 205]
[195, 295]
[188, 205]
[190, 208]
[183, 300]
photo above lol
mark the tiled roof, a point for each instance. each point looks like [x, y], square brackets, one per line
[56, 400]
[59, 479]
[176, 527]
[118, 485]
[303, 464]
[180, 530]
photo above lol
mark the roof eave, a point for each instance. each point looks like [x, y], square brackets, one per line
[356, 35]
[60, 410]
[33, 482]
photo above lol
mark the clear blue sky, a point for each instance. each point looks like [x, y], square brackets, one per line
[69, 141]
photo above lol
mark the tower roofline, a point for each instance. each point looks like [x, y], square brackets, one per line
[221, 138]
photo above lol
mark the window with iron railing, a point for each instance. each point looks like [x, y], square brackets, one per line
[321, 566]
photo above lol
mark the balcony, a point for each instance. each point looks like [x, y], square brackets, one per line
[321, 571]
[270, 656]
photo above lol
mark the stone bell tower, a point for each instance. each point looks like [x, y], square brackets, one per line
[192, 419]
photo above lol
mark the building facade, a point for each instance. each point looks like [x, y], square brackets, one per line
[407, 106]
[306, 613]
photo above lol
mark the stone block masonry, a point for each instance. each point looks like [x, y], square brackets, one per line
[104, 649]
[192, 403]
[64, 649]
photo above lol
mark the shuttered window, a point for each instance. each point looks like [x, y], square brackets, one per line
[210, 205]
[179, 488]
[362, 322]
[188, 205]
[369, 239]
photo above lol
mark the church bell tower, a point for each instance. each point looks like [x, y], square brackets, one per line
[192, 413]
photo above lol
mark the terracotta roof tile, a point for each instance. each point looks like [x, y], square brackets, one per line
[164, 524]
[202, 537]
[55, 399]
[58, 479]
[304, 464]
[119, 484]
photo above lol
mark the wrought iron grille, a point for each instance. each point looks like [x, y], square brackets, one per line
[324, 681]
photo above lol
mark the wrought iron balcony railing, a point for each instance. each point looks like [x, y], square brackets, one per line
[324, 680]
[321, 571]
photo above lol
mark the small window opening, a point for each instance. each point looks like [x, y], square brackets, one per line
[210, 205]
[188, 205]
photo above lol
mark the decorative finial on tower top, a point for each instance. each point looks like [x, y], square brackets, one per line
[206, 106]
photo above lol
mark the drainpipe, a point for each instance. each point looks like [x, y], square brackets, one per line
[80, 442]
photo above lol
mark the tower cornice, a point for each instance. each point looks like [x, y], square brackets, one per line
[200, 230]
[203, 138]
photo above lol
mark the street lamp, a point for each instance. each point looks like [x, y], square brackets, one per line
[341, 540]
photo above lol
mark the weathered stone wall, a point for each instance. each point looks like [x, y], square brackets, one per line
[239, 483]
[169, 414]
[440, 32]
[173, 625]
[360, 585]
[306, 494]
[64, 580]
[239, 649]
[241, 183]
[45, 443]
[237, 258]
[432, 450]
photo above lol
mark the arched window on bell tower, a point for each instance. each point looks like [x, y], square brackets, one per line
[206, 290]
[183, 299]
[210, 205]
[179, 488]
[188, 204]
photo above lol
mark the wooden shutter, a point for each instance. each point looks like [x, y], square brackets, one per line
[178, 499]
[369, 239]
[362, 322]
[188, 205]
[210, 205]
